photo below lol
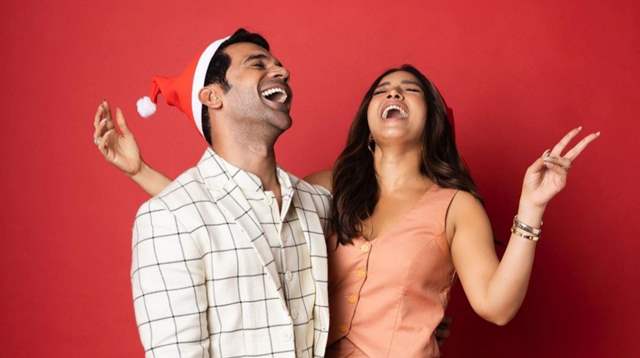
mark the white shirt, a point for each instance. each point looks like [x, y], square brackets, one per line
[290, 250]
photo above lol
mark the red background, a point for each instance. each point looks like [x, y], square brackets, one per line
[519, 74]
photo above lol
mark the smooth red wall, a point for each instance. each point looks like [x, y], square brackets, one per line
[519, 74]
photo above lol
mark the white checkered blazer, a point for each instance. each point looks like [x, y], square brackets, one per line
[205, 283]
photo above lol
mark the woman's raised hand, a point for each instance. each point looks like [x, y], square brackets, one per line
[547, 176]
[118, 148]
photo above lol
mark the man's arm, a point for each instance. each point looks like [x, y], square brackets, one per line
[169, 292]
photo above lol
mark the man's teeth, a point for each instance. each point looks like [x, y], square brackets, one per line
[386, 111]
[272, 91]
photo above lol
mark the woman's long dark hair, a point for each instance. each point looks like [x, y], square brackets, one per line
[355, 185]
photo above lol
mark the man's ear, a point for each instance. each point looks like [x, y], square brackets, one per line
[211, 96]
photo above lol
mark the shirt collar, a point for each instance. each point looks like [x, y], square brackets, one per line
[249, 182]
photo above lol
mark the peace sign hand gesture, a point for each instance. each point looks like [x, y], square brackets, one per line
[547, 176]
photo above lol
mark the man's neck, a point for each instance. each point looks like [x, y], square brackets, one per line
[255, 158]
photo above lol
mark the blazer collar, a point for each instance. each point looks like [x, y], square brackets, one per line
[229, 196]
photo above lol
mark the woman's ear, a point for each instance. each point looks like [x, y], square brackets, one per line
[211, 97]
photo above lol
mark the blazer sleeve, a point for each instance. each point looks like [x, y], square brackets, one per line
[168, 284]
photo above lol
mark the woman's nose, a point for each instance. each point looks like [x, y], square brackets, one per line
[394, 94]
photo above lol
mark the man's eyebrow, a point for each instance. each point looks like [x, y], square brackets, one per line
[260, 56]
[256, 56]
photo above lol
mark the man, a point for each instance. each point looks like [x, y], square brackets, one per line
[229, 260]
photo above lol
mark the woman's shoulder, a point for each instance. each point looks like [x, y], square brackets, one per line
[457, 206]
[322, 178]
[463, 202]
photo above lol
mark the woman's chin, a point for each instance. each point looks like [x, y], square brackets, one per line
[404, 142]
[394, 134]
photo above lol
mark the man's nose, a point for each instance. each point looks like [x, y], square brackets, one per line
[280, 73]
[395, 94]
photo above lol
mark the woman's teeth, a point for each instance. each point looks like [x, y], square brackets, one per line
[393, 107]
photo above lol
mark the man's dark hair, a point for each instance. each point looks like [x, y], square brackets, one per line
[217, 70]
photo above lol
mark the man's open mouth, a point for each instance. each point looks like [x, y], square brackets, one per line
[275, 94]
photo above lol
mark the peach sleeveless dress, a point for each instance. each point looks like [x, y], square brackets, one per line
[387, 296]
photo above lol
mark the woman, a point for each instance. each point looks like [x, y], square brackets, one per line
[406, 218]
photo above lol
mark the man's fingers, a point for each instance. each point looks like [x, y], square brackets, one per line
[575, 151]
[557, 150]
[122, 124]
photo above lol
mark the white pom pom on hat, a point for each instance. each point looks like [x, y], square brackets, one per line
[145, 107]
[182, 91]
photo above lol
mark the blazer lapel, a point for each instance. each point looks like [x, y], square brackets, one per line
[230, 199]
[312, 229]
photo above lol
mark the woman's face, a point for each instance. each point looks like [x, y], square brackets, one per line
[398, 110]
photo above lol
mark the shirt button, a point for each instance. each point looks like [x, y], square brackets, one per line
[268, 199]
[361, 273]
[365, 247]
[288, 335]
[344, 328]
[352, 299]
[288, 275]
[294, 314]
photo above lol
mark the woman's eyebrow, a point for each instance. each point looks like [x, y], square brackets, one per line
[408, 82]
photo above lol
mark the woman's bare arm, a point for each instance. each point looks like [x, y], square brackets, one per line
[121, 150]
[496, 288]
[322, 178]
[150, 180]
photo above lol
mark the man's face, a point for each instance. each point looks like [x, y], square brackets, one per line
[259, 92]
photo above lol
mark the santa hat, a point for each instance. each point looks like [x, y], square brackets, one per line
[182, 91]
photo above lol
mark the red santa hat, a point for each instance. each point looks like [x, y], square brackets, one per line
[182, 91]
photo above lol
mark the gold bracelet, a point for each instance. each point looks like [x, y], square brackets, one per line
[533, 238]
[526, 228]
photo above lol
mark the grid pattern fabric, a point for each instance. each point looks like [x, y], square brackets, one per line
[204, 276]
[289, 248]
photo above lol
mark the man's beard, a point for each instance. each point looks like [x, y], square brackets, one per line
[251, 109]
